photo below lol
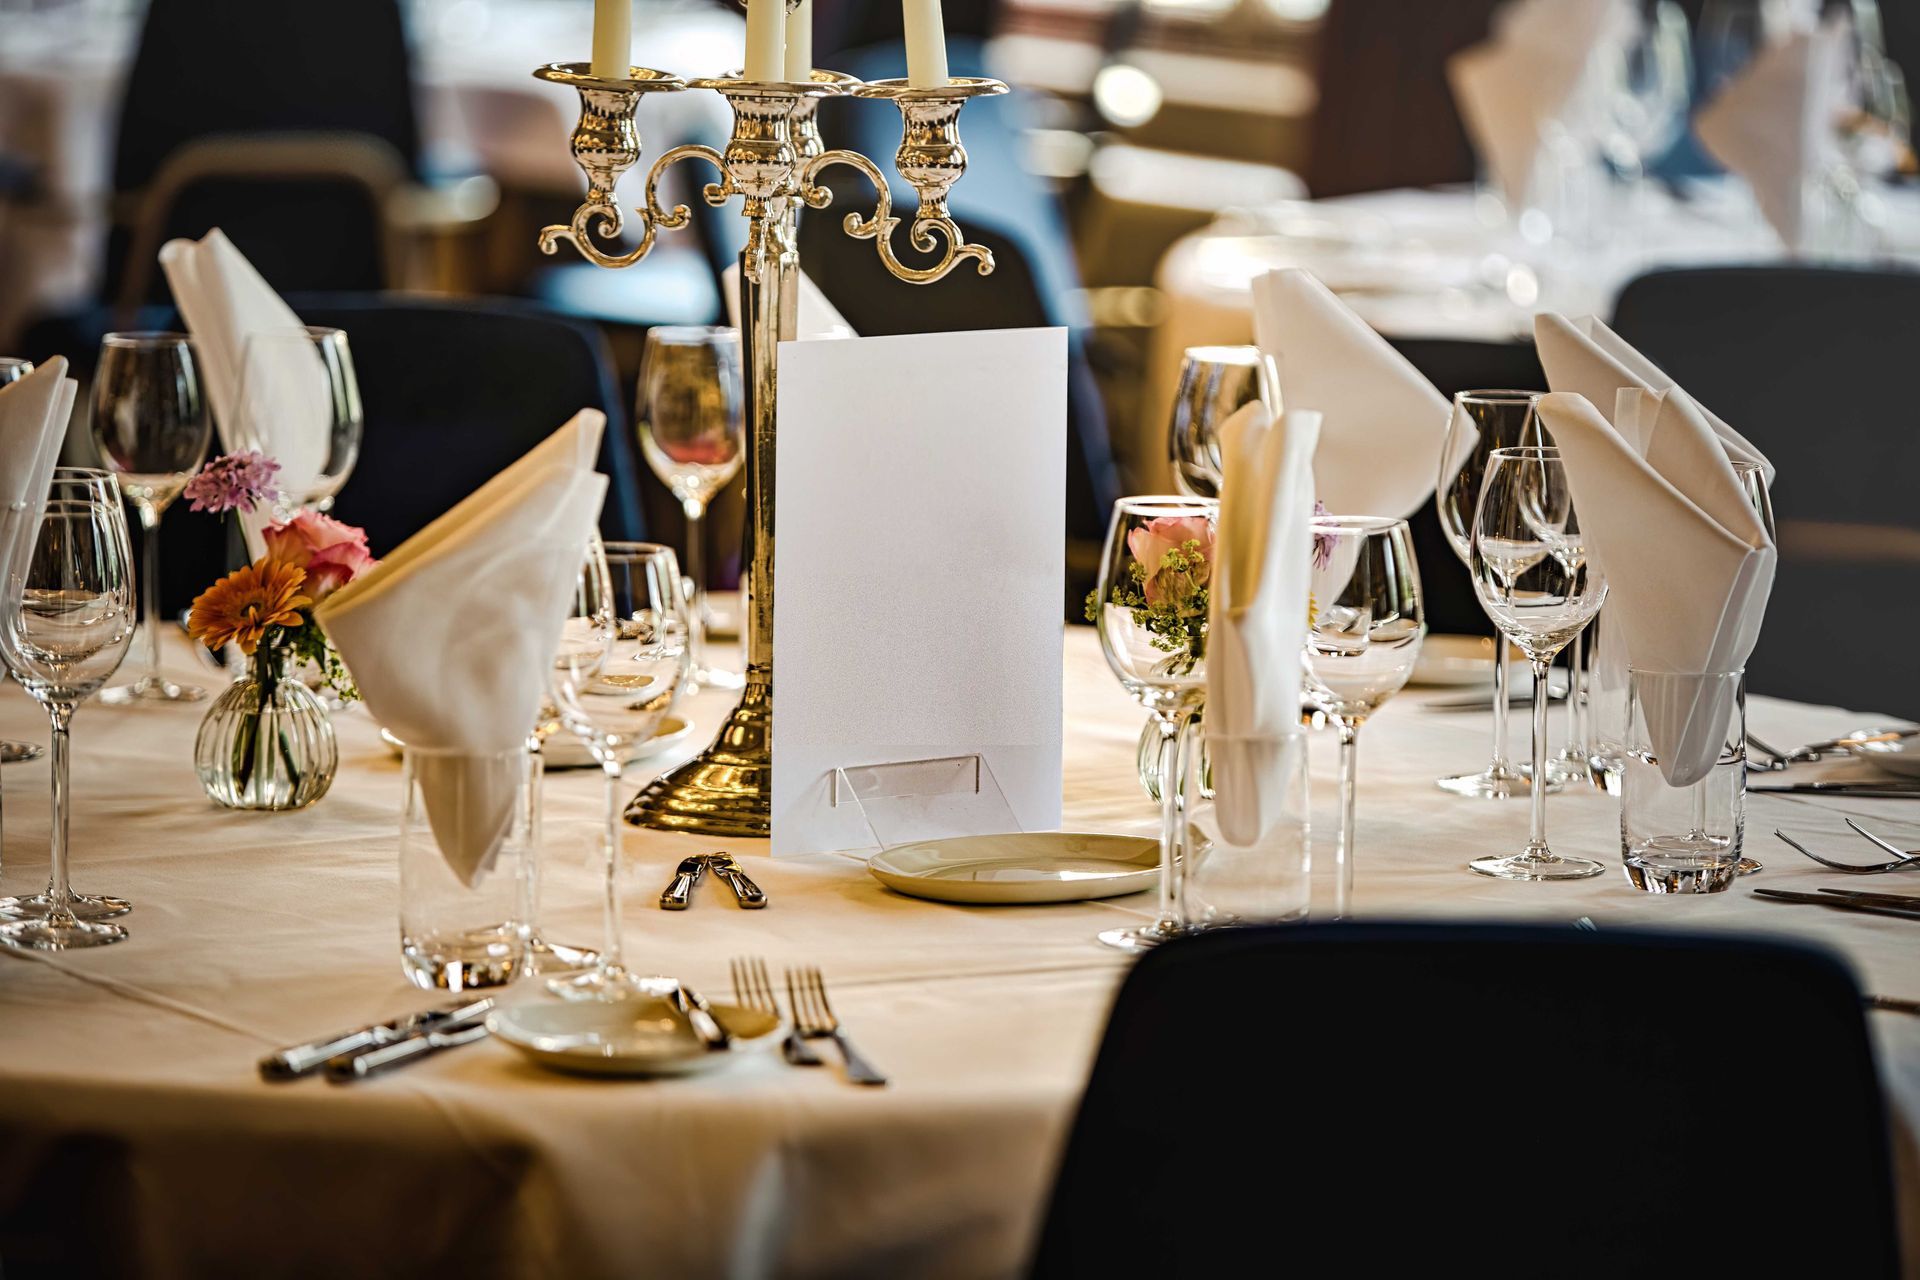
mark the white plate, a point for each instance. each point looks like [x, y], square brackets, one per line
[1454, 660]
[641, 1037]
[565, 751]
[1029, 866]
[1900, 757]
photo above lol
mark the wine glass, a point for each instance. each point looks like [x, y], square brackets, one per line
[1214, 383]
[66, 618]
[151, 427]
[1366, 622]
[1482, 422]
[620, 667]
[298, 402]
[692, 422]
[12, 369]
[1533, 576]
[1646, 94]
[1151, 610]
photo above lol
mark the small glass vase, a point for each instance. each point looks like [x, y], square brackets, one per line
[267, 742]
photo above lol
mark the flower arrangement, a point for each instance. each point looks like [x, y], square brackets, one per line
[1167, 587]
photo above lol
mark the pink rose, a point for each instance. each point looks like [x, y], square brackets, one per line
[1152, 543]
[332, 553]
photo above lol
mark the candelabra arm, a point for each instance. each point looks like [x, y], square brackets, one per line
[932, 230]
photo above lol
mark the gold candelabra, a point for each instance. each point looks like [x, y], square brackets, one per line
[773, 161]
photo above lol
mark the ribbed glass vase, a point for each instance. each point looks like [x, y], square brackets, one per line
[267, 742]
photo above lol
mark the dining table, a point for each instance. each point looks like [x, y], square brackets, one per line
[137, 1135]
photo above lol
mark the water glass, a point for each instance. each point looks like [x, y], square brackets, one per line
[1684, 839]
[298, 402]
[1215, 383]
[1252, 866]
[467, 810]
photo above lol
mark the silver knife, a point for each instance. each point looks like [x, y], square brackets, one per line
[1904, 901]
[1891, 1004]
[359, 1066]
[677, 895]
[699, 1015]
[300, 1060]
[745, 892]
[1843, 904]
[1858, 790]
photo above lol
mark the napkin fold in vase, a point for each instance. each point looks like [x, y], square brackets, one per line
[33, 426]
[451, 638]
[1258, 614]
[1384, 424]
[1689, 564]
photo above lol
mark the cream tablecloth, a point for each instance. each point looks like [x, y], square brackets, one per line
[127, 1086]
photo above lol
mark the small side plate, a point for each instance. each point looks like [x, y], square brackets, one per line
[639, 1037]
[1901, 757]
[1021, 867]
[564, 751]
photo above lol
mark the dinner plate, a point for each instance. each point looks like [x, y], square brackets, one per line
[1900, 757]
[640, 1037]
[566, 751]
[1027, 866]
[1454, 660]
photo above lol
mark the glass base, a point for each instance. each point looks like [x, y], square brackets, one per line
[84, 906]
[20, 752]
[1747, 866]
[464, 960]
[544, 957]
[1496, 782]
[699, 678]
[1564, 771]
[1146, 937]
[1536, 866]
[68, 934]
[611, 982]
[151, 689]
[1680, 873]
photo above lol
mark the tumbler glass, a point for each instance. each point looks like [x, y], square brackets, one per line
[1247, 853]
[1687, 838]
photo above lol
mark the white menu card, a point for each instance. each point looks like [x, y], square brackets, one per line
[920, 535]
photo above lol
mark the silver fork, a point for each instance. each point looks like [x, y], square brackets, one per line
[1905, 860]
[813, 1019]
[754, 989]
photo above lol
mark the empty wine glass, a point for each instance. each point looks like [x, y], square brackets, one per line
[1647, 88]
[12, 369]
[298, 402]
[151, 427]
[620, 667]
[1215, 382]
[1151, 611]
[692, 422]
[1366, 622]
[66, 619]
[1534, 578]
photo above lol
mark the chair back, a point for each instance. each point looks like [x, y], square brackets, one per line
[1812, 364]
[1493, 1101]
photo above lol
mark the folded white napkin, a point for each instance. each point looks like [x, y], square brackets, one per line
[1257, 615]
[225, 302]
[1585, 357]
[1775, 123]
[1536, 70]
[815, 316]
[1384, 424]
[33, 425]
[452, 637]
[1689, 565]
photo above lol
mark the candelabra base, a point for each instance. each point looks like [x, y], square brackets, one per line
[726, 790]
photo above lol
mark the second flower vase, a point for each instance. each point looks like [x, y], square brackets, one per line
[267, 742]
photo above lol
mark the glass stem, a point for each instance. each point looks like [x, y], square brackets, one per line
[59, 892]
[1173, 728]
[611, 958]
[1343, 851]
[150, 585]
[1537, 828]
[696, 513]
[1577, 699]
[1502, 687]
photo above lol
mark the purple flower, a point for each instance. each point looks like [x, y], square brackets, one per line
[234, 482]
[1322, 542]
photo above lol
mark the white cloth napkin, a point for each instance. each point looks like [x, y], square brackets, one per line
[33, 426]
[815, 316]
[1535, 71]
[225, 302]
[451, 638]
[1384, 424]
[1585, 357]
[1257, 617]
[1689, 565]
[1775, 123]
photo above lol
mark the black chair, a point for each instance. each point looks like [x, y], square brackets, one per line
[1812, 365]
[454, 392]
[1486, 1101]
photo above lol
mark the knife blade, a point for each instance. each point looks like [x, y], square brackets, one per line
[699, 1015]
[359, 1066]
[300, 1060]
[1858, 790]
[676, 896]
[1904, 901]
[1892, 1004]
[748, 894]
[1841, 904]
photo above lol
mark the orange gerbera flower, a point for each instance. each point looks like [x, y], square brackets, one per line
[240, 607]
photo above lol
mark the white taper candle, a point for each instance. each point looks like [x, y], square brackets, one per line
[766, 39]
[926, 43]
[800, 43]
[612, 38]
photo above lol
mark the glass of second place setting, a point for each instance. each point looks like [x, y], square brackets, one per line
[619, 670]
[67, 616]
[1366, 621]
[299, 403]
[1534, 578]
[151, 427]
[1150, 608]
[692, 422]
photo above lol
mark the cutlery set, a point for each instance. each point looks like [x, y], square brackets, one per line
[678, 895]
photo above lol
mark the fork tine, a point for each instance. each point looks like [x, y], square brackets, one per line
[1761, 743]
[741, 995]
[1893, 849]
[818, 986]
[799, 1006]
[758, 968]
[1852, 867]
